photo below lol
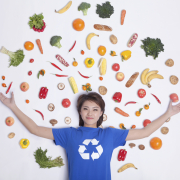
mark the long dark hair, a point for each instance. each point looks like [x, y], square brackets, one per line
[96, 98]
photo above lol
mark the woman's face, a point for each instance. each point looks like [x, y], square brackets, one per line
[90, 113]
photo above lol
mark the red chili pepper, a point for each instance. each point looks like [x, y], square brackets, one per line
[117, 97]
[58, 75]
[40, 113]
[122, 155]
[72, 46]
[43, 92]
[9, 88]
[130, 102]
[157, 99]
[55, 66]
[83, 75]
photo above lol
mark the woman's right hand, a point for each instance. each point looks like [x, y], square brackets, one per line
[9, 102]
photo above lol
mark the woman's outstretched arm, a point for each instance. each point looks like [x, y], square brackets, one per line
[25, 120]
[154, 125]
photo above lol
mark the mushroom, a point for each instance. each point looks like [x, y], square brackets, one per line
[51, 107]
[168, 120]
[67, 120]
[104, 117]
[53, 121]
[132, 145]
[141, 147]
[61, 86]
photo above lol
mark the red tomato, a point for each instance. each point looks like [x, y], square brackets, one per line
[66, 103]
[146, 122]
[174, 97]
[141, 93]
[116, 67]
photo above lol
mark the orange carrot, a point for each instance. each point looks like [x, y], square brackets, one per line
[121, 112]
[123, 13]
[39, 45]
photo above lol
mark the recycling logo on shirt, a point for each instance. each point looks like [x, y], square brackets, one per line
[94, 155]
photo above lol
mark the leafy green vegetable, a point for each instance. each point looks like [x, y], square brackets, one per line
[84, 7]
[152, 47]
[37, 21]
[46, 162]
[15, 57]
[55, 41]
[105, 11]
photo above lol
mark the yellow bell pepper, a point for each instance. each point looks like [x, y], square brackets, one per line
[126, 55]
[89, 62]
[24, 143]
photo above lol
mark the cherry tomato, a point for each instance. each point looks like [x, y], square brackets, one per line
[146, 122]
[116, 67]
[141, 93]
[31, 60]
[66, 103]
[30, 73]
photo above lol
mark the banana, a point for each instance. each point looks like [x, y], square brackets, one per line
[89, 39]
[126, 166]
[149, 74]
[151, 77]
[143, 75]
[65, 8]
[103, 66]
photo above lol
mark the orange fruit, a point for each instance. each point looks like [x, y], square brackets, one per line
[156, 143]
[29, 46]
[102, 50]
[78, 24]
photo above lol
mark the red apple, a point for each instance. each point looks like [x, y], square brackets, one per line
[24, 86]
[174, 97]
[119, 76]
[9, 121]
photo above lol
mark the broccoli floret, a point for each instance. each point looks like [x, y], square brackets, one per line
[55, 41]
[105, 11]
[84, 7]
[152, 47]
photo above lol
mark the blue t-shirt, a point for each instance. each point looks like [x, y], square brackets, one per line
[89, 150]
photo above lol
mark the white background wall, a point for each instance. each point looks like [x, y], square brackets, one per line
[155, 19]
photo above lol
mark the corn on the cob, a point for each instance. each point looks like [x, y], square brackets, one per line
[73, 85]
[103, 66]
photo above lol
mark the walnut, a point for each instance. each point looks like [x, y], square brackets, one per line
[164, 130]
[141, 147]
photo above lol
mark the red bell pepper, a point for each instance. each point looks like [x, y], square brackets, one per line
[43, 93]
[122, 155]
[117, 97]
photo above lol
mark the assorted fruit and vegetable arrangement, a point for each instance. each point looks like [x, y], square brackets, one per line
[151, 46]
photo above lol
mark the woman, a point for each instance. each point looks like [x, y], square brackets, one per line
[89, 148]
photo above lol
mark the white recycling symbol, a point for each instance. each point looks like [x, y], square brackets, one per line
[94, 155]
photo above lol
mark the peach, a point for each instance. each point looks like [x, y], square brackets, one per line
[9, 121]
[119, 76]
[24, 86]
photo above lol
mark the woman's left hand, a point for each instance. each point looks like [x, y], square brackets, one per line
[172, 110]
